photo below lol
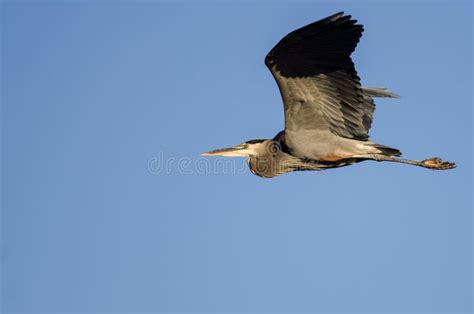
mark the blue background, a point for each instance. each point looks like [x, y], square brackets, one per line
[98, 97]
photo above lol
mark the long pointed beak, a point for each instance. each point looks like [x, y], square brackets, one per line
[237, 151]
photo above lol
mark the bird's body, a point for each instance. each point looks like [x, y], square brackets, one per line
[273, 158]
[328, 113]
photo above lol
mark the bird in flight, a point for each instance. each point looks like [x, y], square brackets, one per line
[328, 113]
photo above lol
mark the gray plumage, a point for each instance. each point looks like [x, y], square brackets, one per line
[328, 114]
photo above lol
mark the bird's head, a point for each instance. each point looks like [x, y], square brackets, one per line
[245, 149]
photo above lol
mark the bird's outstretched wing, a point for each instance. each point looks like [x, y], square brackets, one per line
[317, 79]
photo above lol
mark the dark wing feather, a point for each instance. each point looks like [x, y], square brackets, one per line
[317, 79]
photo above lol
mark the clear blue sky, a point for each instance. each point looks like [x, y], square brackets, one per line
[96, 94]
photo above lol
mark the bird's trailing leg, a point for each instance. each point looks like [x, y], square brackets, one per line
[434, 163]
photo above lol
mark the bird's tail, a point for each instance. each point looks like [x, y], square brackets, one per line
[387, 151]
[379, 92]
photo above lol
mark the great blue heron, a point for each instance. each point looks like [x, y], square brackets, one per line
[327, 112]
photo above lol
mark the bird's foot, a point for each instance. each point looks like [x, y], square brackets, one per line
[436, 163]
